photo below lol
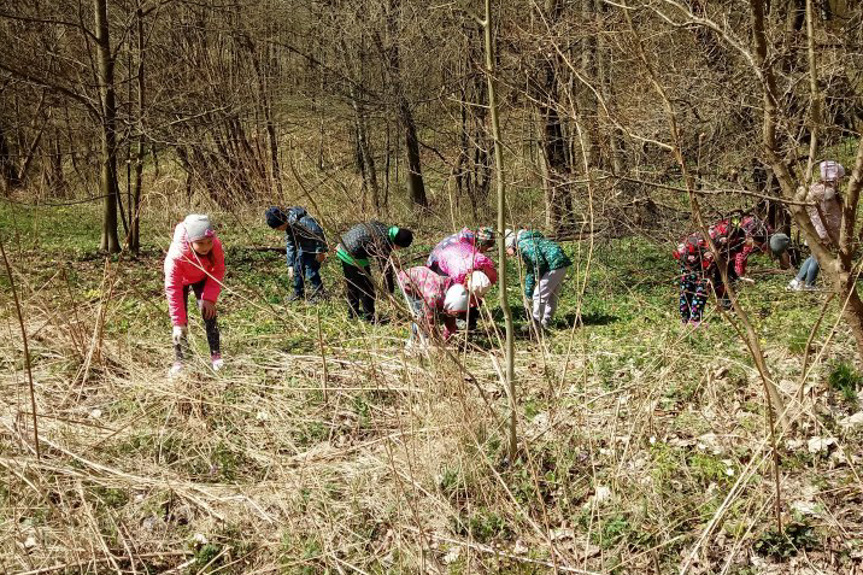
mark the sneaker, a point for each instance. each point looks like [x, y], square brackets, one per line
[176, 369]
[808, 287]
[695, 324]
[794, 285]
[218, 362]
[295, 297]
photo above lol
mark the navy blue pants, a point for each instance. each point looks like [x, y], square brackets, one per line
[307, 268]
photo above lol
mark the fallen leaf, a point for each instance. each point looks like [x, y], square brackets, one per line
[852, 420]
[820, 444]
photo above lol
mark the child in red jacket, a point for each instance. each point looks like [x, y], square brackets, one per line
[696, 264]
[196, 262]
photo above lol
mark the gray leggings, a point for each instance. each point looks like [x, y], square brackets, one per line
[809, 271]
[210, 325]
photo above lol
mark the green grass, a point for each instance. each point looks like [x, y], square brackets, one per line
[396, 441]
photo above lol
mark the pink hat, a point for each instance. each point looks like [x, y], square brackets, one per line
[831, 171]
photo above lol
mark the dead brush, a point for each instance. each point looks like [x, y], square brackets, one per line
[639, 452]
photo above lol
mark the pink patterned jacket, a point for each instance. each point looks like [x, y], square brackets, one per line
[459, 260]
[422, 283]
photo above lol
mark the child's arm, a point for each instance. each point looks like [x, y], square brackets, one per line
[290, 249]
[388, 276]
[529, 282]
[174, 292]
[484, 264]
[213, 285]
[740, 262]
[449, 327]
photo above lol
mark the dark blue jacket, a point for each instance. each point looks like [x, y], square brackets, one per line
[303, 235]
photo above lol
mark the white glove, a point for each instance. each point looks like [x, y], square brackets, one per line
[179, 334]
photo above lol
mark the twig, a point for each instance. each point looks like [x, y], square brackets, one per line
[498, 553]
[26, 348]
[809, 344]
[78, 564]
[324, 374]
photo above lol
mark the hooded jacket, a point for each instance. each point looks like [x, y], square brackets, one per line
[303, 235]
[466, 235]
[540, 256]
[365, 242]
[459, 259]
[829, 205]
[422, 283]
[694, 254]
[368, 241]
[184, 267]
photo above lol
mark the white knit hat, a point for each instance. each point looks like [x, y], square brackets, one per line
[509, 238]
[478, 284]
[456, 299]
[198, 227]
[831, 171]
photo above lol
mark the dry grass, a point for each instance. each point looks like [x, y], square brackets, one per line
[643, 446]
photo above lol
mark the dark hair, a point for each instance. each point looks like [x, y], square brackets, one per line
[275, 217]
[404, 238]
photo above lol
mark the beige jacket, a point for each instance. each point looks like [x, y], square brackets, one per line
[826, 196]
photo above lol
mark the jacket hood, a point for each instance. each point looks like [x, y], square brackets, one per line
[528, 234]
[296, 213]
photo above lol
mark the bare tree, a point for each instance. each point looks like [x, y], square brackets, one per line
[110, 190]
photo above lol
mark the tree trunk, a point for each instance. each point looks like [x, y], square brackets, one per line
[415, 184]
[557, 198]
[509, 357]
[370, 177]
[416, 187]
[854, 310]
[267, 109]
[8, 169]
[110, 241]
[554, 143]
[140, 150]
[56, 178]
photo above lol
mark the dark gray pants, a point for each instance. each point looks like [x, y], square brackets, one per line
[210, 325]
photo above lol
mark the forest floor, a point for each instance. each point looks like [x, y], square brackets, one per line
[324, 448]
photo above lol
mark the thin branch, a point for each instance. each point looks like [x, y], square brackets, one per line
[26, 348]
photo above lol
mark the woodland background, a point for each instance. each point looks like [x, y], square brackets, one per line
[643, 447]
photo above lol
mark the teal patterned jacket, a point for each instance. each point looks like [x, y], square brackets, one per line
[540, 256]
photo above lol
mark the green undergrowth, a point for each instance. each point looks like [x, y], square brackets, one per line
[633, 428]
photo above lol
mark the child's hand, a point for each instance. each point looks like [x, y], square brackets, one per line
[290, 273]
[179, 334]
[208, 309]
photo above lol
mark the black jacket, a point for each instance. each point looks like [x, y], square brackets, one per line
[368, 241]
[371, 241]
